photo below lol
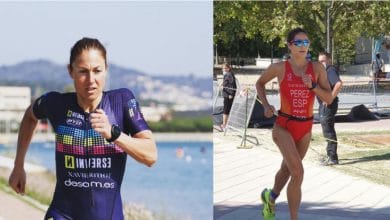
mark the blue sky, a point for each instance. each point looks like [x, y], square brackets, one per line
[165, 38]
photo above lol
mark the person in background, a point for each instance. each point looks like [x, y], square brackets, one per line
[228, 91]
[326, 112]
[377, 67]
[95, 132]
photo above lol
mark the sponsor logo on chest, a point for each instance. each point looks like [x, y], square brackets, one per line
[72, 162]
[74, 119]
[289, 76]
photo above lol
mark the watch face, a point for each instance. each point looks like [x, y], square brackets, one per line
[116, 131]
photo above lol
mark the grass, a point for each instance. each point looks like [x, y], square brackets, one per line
[39, 186]
[27, 199]
[361, 154]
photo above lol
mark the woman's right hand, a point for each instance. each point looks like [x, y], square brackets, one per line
[17, 180]
[269, 111]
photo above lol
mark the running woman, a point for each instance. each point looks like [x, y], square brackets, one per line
[95, 131]
[299, 81]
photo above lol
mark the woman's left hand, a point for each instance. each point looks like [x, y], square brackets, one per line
[100, 123]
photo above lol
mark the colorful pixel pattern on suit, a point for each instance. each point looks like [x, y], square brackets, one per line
[77, 141]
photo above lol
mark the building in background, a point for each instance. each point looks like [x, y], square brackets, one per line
[366, 48]
[154, 113]
[13, 103]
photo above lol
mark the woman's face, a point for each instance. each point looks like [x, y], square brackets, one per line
[88, 72]
[299, 46]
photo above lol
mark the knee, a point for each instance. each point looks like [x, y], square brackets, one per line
[274, 138]
[297, 173]
[284, 170]
[275, 135]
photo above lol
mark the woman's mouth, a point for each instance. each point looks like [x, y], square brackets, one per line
[91, 90]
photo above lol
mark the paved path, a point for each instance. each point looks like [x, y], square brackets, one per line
[241, 174]
[13, 207]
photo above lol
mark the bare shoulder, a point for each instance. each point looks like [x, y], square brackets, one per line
[273, 70]
[318, 67]
[279, 65]
[276, 68]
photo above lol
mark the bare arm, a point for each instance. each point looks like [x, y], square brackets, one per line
[141, 147]
[17, 179]
[270, 73]
[337, 88]
[322, 90]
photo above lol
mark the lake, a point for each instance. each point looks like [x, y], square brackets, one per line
[178, 185]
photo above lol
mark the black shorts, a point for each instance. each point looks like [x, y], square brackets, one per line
[227, 105]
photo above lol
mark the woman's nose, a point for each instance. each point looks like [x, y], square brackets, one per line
[91, 77]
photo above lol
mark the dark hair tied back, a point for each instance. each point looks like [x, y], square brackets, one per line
[293, 32]
[86, 44]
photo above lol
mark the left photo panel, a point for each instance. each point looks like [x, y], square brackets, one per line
[105, 110]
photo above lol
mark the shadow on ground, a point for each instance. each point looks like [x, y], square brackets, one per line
[319, 211]
[365, 159]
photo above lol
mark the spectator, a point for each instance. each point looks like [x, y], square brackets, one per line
[377, 66]
[228, 91]
[327, 112]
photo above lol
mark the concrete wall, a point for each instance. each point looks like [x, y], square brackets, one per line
[264, 63]
[361, 69]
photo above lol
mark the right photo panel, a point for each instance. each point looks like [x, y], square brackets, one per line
[301, 110]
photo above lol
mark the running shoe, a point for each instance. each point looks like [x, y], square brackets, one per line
[330, 162]
[268, 206]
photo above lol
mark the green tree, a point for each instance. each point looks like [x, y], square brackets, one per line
[191, 124]
[269, 22]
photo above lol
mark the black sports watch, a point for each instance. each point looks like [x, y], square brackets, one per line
[115, 133]
[313, 85]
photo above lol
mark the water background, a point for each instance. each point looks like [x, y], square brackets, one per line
[177, 187]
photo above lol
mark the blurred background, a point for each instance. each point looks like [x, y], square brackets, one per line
[160, 51]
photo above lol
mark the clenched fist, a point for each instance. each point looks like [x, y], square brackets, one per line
[269, 111]
[306, 78]
[100, 123]
[17, 180]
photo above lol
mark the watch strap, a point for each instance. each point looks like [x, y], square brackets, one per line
[115, 133]
[313, 85]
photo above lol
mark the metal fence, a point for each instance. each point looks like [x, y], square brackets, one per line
[353, 93]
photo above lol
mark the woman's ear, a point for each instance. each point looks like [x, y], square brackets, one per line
[70, 71]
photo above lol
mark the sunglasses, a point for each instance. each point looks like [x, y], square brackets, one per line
[300, 43]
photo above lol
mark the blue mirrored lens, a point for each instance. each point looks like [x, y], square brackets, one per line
[299, 43]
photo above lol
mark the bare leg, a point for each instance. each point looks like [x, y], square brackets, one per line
[293, 161]
[224, 120]
[283, 173]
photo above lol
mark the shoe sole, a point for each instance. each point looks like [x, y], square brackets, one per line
[263, 200]
[263, 196]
